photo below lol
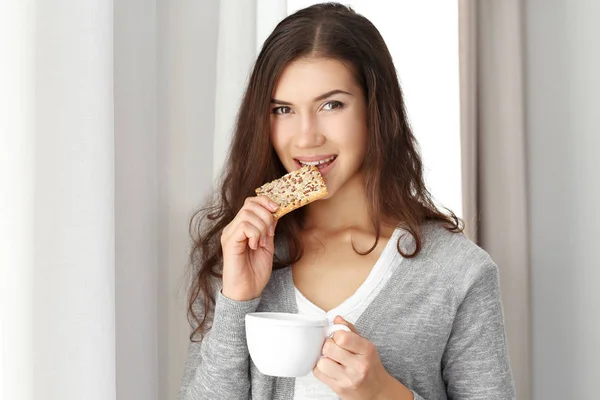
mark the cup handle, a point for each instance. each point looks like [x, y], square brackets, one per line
[331, 329]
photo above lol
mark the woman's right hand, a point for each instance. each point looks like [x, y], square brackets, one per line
[248, 248]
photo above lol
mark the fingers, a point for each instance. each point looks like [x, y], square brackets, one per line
[254, 223]
[263, 201]
[336, 353]
[352, 342]
[264, 214]
[324, 378]
[340, 320]
[350, 363]
[328, 368]
[252, 230]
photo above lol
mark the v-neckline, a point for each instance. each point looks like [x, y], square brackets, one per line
[388, 255]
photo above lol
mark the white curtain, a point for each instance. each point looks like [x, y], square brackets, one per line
[57, 201]
[109, 116]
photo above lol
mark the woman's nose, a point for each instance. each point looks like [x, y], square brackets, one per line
[308, 134]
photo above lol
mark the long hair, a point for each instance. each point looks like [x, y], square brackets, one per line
[393, 168]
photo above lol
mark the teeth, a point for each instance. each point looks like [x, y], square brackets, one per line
[317, 162]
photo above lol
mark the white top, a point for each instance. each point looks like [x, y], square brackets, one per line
[309, 387]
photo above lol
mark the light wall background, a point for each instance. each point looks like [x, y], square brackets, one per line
[562, 102]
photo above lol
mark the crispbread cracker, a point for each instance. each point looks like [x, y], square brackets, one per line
[295, 189]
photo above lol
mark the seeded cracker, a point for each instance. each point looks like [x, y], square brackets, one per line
[294, 190]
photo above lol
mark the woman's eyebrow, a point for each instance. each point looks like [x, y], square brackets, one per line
[318, 98]
[331, 93]
[283, 103]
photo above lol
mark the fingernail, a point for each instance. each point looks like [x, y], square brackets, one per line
[271, 230]
[273, 206]
[263, 242]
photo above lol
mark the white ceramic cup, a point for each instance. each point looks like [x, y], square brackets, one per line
[287, 345]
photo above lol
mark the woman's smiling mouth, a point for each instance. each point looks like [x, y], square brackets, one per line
[324, 163]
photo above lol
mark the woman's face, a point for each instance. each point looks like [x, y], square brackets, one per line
[319, 116]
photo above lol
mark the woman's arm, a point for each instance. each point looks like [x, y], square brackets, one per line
[218, 366]
[475, 363]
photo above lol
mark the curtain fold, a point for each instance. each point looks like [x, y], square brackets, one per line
[494, 162]
[74, 239]
[467, 43]
[137, 245]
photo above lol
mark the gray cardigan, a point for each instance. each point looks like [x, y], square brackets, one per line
[437, 325]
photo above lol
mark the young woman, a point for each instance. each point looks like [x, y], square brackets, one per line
[422, 301]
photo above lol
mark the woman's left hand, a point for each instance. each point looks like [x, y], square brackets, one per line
[351, 367]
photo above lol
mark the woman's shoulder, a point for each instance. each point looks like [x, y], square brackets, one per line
[453, 254]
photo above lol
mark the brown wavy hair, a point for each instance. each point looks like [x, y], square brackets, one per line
[393, 168]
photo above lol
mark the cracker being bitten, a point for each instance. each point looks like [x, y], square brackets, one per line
[295, 189]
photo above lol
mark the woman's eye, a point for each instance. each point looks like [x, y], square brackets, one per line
[333, 105]
[282, 110]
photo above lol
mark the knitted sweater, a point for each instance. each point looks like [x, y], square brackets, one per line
[437, 324]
